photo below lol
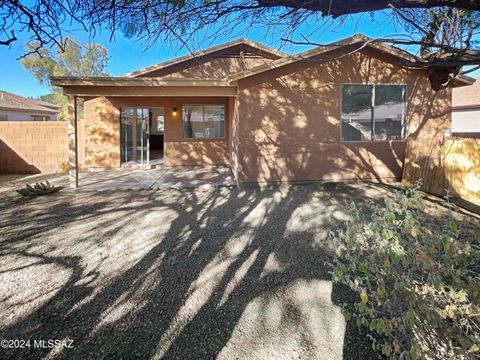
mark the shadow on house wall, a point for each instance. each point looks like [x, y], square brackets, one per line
[290, 121]
[101, 147]
[103, 140]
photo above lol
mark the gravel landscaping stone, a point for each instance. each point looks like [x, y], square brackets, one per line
[178, 273]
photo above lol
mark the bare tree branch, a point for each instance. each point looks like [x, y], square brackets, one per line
[11, 39]
[347, 7]
[443, 32]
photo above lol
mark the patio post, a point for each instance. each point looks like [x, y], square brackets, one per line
[72, 142]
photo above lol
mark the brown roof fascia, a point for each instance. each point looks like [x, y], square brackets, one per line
[127, 81]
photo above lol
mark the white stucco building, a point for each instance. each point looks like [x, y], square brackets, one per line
[18, 108]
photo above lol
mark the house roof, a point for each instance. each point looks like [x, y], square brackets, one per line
[47, 104]
[279, 59]
[466, 97]
[359, 40]
[319, 50]
[242, 42]
[9, 101]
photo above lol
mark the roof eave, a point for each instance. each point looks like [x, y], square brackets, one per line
[466, 107]
[463, 80]
[126, 81]
[43, 111]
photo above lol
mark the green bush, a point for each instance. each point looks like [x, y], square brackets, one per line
[417, 278]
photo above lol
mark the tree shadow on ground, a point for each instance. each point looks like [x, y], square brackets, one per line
[229, 273]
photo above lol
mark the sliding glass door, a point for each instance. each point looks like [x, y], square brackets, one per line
[134, 136]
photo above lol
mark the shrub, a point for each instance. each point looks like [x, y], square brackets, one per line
[416, 277]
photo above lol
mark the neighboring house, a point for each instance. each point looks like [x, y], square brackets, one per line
[342, 111]
[466, 111]
[18, 108]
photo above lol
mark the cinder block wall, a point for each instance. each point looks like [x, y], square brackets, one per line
[33, 147]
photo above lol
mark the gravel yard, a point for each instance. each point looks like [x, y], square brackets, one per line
[178, 273]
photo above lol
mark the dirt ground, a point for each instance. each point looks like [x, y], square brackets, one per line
[178, 273]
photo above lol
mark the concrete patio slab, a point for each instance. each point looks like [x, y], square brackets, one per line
[160, 177]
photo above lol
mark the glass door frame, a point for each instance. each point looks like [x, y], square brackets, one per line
[144, 138]
[125, 132]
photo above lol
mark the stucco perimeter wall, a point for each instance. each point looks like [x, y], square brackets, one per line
[102, 131]
[289, 122]
[33, 146]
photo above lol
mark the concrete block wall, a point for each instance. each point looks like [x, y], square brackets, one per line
[33, 147]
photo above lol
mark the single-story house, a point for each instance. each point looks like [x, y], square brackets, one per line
[18, 108]
[466, 111]
[342, 111]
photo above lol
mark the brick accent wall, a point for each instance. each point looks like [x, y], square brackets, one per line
[33, 147]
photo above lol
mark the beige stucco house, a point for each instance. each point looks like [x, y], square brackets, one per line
[342, 111]
[466, 111]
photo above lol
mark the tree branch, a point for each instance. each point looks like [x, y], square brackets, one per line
[347, 7]
[9, 40]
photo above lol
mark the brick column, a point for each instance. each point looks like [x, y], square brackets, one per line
[72, 141]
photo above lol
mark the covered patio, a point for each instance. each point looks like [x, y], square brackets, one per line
[98, 140]
[156, 178]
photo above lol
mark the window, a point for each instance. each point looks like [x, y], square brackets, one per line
[39, 118]
[373, 112]
[203, 121]
[3, 117]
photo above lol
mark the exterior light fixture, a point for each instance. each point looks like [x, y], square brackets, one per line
[175, 111]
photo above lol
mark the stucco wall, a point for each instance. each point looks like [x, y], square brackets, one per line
[33, 146]
[288, 126]
[208, 68]
[102, 132]
[25, 115]
[101, 145]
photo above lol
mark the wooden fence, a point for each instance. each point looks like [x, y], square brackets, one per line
[462, 167]
[454, 166]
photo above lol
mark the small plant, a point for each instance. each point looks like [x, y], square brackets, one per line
[417, 280]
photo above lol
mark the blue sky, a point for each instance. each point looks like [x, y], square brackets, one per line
[127, 55]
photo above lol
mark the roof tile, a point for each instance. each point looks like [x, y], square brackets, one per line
[16, 102]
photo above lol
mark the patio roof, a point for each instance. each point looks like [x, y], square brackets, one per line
[127, 86]
[131, 81]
